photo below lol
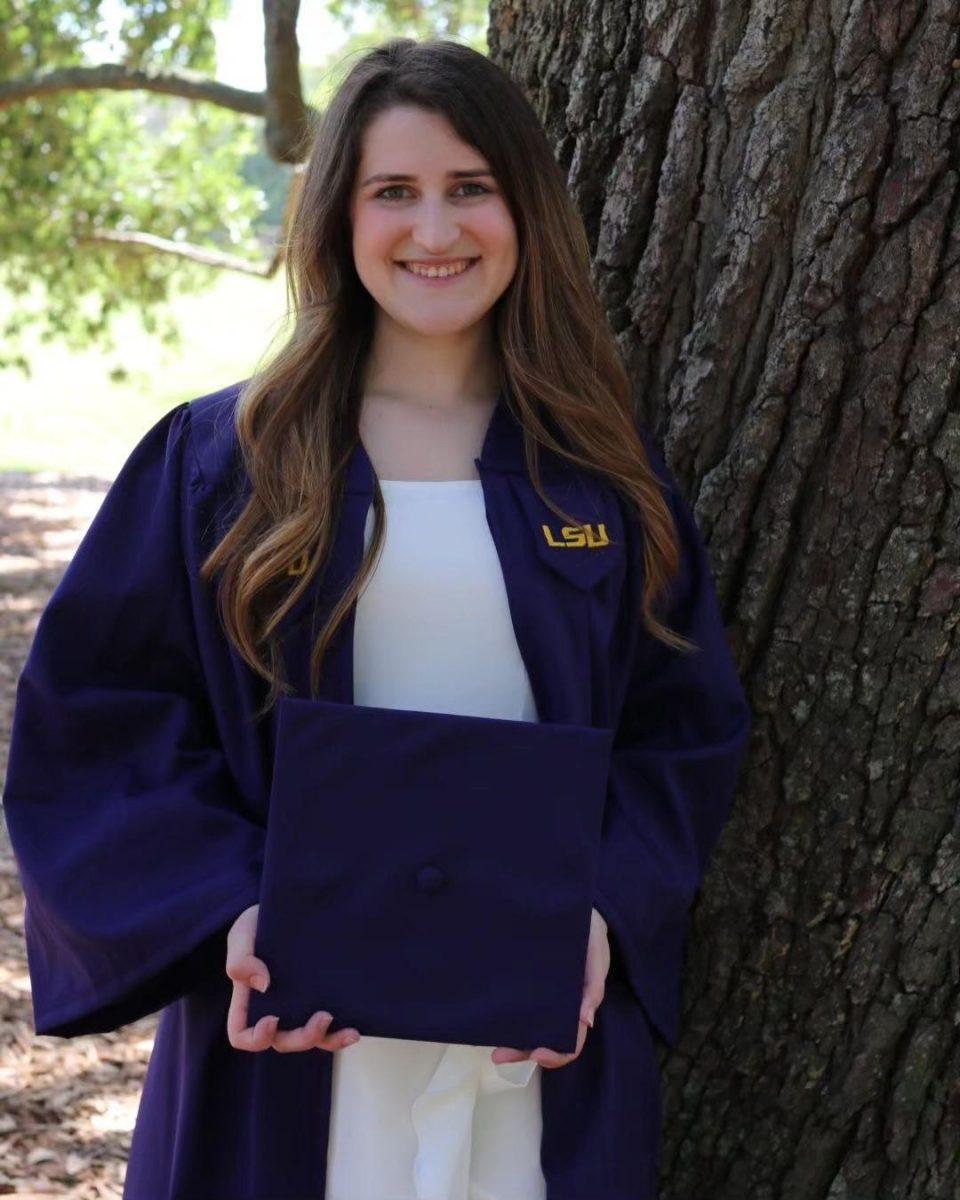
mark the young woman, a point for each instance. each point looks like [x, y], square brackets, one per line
[436, 497]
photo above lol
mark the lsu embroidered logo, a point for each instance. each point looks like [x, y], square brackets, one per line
[592, 537]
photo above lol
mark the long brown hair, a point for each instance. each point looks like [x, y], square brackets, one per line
[297, 417]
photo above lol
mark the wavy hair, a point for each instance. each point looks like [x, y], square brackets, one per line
[297, 417]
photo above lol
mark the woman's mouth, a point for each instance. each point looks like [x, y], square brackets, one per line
[451, 276]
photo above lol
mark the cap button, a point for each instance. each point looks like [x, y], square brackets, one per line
[430, 879]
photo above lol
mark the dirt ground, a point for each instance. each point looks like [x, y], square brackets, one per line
[67, 1105]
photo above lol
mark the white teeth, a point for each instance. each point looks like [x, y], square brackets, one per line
[439, 272]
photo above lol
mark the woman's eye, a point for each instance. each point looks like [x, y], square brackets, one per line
[394, 187]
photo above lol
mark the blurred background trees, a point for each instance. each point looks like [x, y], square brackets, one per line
[129, 171]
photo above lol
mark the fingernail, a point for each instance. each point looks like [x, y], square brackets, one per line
[260, 983]
[351, 1038]
[590, 1019]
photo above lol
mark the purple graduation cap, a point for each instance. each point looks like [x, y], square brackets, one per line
[430, 875]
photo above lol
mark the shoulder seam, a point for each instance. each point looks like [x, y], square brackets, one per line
[197, 478]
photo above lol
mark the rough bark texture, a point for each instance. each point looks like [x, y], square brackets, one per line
[771, 194]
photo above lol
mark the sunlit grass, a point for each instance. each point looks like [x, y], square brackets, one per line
[73, 416]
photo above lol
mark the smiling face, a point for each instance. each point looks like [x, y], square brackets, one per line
[448, 209]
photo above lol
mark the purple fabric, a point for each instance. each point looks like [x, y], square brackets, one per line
[138, 797]
[418, 853]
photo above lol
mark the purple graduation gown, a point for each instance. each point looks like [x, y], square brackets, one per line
[138, 791]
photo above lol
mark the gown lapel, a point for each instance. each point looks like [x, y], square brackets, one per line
[561, 581]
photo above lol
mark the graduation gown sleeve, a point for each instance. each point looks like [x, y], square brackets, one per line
[134, 850]
[676, 755]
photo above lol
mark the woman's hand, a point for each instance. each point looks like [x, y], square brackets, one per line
[246, 971]
[594, 985]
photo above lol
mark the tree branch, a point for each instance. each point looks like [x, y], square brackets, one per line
[191, 85]
[288, 121]
[197, 254]
[288, 126]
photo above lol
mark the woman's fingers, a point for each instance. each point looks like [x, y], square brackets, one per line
[261, 1035]
[313, 1035]
[596, 968]
[592, 999]
[305, 1037]
[341, 1039]
[505, 1054]
[241, 1036]
[246, 971]
[246, 968]
[542, 1055]
[550, 1058]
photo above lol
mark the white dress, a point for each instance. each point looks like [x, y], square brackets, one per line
[414, 1120]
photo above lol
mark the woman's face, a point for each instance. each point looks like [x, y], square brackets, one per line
[429, 216]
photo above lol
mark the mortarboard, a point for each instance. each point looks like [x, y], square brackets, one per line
[430, 875]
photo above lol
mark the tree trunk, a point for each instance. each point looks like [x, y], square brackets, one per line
[771, 195]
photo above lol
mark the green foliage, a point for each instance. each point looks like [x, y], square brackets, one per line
[172, 33]
[76, 163]
[462, 19]
[273, 179]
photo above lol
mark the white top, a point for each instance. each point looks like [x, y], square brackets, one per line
[414, 1120]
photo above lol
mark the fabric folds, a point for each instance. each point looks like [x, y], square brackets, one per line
[443, 1116]
[134, 848]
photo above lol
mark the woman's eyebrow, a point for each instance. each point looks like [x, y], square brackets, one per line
[388, 177]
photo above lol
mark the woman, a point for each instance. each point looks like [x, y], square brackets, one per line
[435, 497]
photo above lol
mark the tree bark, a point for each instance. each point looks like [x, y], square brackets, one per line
[771, 196]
